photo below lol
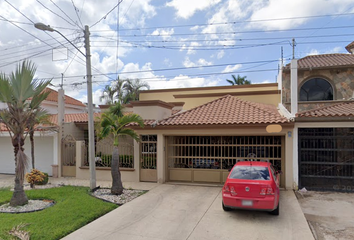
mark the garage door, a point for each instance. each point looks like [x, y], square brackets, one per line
[326, 159]
[207, 159]
[44, 154]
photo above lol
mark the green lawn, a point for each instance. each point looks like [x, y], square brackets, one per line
[73, 208]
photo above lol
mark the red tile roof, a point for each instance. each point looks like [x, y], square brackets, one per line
[344, 109]
[53, 97]
[74, 117]
[227, 110]
[325, 60]
[349, 47]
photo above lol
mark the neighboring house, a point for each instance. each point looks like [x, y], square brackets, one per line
[46, 142]
[318, 93]
[197, 134]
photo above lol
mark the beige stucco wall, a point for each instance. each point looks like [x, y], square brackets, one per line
[245, 131]
[196, 96]
[72, 129]
[152, 112]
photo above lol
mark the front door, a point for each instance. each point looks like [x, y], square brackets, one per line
[148, 158]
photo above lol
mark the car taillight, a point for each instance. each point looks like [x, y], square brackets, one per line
[229, 190]
[233, 192]
[267, 191]
[226, 189]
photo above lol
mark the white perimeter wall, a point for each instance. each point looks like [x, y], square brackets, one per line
[44, 149]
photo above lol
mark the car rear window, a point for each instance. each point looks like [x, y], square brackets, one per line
[250, 173]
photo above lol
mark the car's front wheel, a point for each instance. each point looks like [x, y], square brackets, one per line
[225, 208]
[275, 211]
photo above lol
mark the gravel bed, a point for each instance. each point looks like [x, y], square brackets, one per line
[128, 195]
[32, 206]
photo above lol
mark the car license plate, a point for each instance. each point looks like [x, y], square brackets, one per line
[247, 202]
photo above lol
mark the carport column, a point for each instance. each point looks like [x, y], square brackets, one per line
[293, 86]
[295, 158]
[161, 166]
[137, 161]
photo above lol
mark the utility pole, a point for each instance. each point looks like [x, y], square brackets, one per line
[91, 147]
[91, 130]
[293, 44]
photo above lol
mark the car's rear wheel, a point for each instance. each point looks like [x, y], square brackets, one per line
[225, 208]
[275, 211]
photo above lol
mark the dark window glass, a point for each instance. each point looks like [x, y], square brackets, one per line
[250, 173]
[316, 89]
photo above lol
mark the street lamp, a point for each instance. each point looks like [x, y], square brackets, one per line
[91, 129]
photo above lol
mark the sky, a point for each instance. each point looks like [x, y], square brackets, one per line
[169, 43]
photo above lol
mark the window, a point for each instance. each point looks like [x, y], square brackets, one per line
[316, 89]
[250, 173]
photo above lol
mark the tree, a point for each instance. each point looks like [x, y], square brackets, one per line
[37, 117]
[133, 88]
[238, 80]
[113, 93]
[19, 91]
[117, 124]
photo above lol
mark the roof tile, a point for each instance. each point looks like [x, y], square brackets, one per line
[324, 60]
[53, 97]
[227, 110]
[344, 109]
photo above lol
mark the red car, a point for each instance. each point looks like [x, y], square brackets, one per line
[252, 185]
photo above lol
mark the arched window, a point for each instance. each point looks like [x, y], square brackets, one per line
[316, 89]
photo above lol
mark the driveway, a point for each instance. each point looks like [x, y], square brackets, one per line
[330, 214]
[194, 212]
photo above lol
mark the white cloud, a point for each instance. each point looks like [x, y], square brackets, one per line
[187, 8]
[325, 51]
[201, 62]
[167, 62]
[220, 54]
[190, 48]
[230, 68]
[267, 9]
[164, 33]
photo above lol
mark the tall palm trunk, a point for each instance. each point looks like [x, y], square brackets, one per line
[19, 197]
[117, 185]
[31, 134]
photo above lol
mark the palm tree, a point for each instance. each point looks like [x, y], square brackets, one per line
[117, 124]
[37, 117]
[113, 93]
[133, 88]
[108, 94]
[15, 90]
[238, 80]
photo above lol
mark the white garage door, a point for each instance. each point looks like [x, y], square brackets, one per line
[44, 152]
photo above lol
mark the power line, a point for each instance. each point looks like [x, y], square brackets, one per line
[76, 11]
[230, 33]
[220, 40]
[54, 13]
[235, 22]
[65, 14]
[104, 17]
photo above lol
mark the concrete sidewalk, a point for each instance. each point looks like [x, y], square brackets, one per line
[194, 212]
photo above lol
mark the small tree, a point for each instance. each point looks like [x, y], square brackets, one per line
[238, 80]
[20, 91]
[115, 123]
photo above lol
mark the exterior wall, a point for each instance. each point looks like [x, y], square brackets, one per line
[152, 112]
[72, 129]
[342, 81]
[193, 97]
[250, 131]
[43, 149]
[104, 174]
